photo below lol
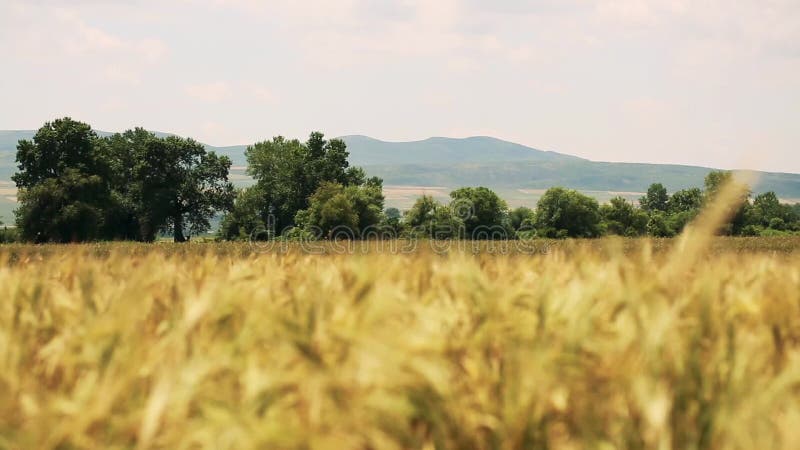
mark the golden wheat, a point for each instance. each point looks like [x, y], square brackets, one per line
[592, 344]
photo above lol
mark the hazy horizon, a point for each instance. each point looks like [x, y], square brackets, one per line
[712, 84]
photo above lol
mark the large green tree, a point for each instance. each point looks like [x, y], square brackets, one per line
[567, 213]
[685, 200]
[343, 211]
[767, 210]
[484, 213]
[69, 208]
[62, 177]
[622, 218]
[179, 186]
[125, 151]
[429, 218]
[521, 218]
[656, 198]
[288, 172]
[245, 220]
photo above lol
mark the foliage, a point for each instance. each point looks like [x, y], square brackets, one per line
[57, 147]
[63, 209]
[484, 213]
[245, 220]
[768, 210]
[679, 220]
[521, 217]
[179, 186]
[288, 172]
[74, 186]
[63, 184]
[567, 213]
[8, 235]
[621, 217]
[337, 211]
[656, 199]
[738, 212]
[393, 213]
[685, 200]
[658, 225]
[430, 219]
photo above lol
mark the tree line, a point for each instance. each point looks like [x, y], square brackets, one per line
[77, 186]
[307, 191]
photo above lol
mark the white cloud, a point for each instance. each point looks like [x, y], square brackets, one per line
[53, 33]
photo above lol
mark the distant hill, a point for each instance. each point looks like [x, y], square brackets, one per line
[366, 151]
[438, 164]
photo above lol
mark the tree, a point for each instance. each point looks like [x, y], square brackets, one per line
[658, 225]
[125, 152]
[392, 225]
[63, 209]
[421, 212]
[715, 180]
[179, 186]
[58, 146]
[521, 217]
[7, 235]
[343, 211]
[245, 220]
[393, 213]
[429, 218]
[288, 172]
[656, 198]
[678, 221]
[567, 213]
[768, 211]
[482, 211]
[330, 209]
[62, 181]
[622, 218]
[685, 200]
[368, 201]
[739, 212]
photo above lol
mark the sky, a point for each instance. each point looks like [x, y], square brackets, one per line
[703, 82]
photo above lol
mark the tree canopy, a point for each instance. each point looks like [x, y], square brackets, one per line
[567, 213]
[75, 186]
[287, 174]
[622, 218]
[656, 198]
[337, 211]
[63, 182]
[483, 212]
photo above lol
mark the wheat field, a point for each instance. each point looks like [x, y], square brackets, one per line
[589, 344]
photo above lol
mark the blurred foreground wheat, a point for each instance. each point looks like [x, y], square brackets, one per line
[578, 349]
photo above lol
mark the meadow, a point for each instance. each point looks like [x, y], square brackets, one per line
[580, 344]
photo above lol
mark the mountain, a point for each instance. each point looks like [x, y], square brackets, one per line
[437, 165]
[366, 151]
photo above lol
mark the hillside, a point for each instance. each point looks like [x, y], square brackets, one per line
[436, 165]
[367, 151]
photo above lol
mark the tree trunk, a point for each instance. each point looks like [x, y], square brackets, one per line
[178, 229]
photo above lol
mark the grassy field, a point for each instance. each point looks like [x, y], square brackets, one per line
[566, 345]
